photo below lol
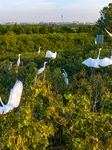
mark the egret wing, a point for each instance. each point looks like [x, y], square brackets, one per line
[1, 110]
[105, 62]
[53, 55]
[91, 62]
[48, 54]
[15, 94]
[108, 32]
[7, 108]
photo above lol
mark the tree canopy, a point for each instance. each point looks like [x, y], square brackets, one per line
[105, 20]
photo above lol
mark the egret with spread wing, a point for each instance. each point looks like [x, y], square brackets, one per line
[49, 54]
[98, 62]
[14, 98]
[92, 62]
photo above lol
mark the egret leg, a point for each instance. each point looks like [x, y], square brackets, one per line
[49, 60]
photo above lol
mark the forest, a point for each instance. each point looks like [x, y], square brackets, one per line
[52, 114]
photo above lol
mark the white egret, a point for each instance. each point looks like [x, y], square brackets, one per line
[14, 98]
[10, 66]
[41, 69]
[65, 73]
[18, 61]
[39, 50]
[108, 32]
[95, 41]
[65, 77]
[97, 62]
[49, 54]
[92, 62]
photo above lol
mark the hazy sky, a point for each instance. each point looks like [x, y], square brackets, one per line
[51, 10]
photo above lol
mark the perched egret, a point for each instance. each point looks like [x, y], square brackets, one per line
[65, 77]
[95, 41]
[10, 66]
[92, 62]
[49, 54]
[18, 61]
[39, 50]
[97, 62]
[14, 98]
[65, 73]
[42, 69]
[108, 32]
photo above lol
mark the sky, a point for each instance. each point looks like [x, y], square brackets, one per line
[51, 10]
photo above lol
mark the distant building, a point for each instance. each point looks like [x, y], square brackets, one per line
[49, 23]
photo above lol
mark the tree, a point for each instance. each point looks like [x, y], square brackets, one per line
[29, 30]
[105, 19]
[2, 29]
[44, 29]
[16, 29]
[36, 30]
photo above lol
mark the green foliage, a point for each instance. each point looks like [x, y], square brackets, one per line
[31, 42]
[88, 28]
[105, 21]
[52, 115]
[105, 17]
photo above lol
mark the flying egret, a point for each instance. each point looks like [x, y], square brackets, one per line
[49, 54]
[39, 50]
[92, 62]
[42, 69]
[65, 77]
[14, 98]
[108, 32]
[18, 61]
